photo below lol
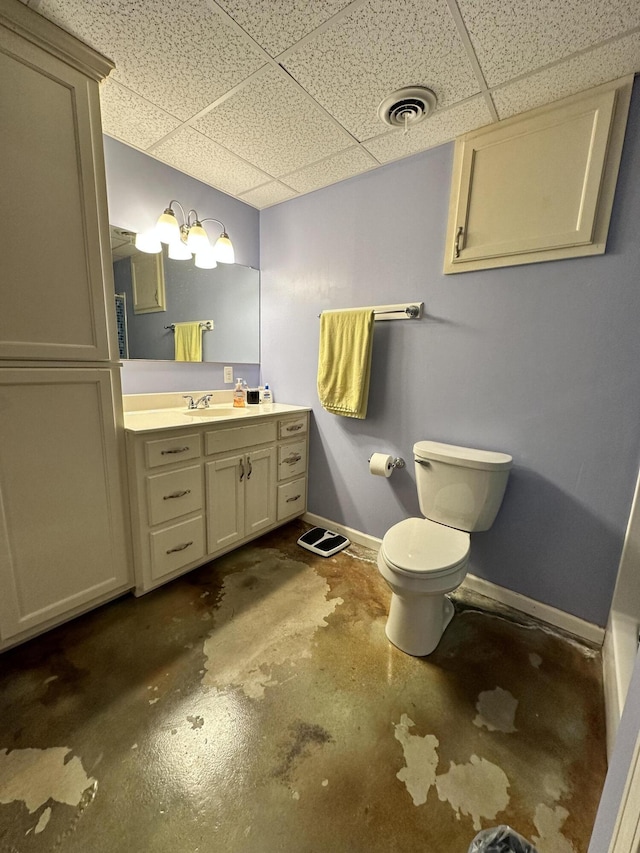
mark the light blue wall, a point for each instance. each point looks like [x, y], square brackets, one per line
[541, 361]
[138, 189]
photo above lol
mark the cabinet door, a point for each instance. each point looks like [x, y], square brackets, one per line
[55, 254]
[538, 186]
[225, 502]
[62, 534]
[260, 510]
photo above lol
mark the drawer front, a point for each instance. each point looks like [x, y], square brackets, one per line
[174, 494]
[235, 438]
[290, 427]
[165, 451]
[292, 498]
[292, 459]
[176, 546]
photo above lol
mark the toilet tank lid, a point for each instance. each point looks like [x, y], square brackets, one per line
[467, 457]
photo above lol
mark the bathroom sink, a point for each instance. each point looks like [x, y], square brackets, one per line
[208, 414]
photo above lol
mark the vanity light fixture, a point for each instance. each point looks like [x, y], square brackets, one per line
[187, 239]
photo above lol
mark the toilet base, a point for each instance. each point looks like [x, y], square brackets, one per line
[417, 622]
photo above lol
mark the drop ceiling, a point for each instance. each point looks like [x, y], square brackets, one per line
[269, 99]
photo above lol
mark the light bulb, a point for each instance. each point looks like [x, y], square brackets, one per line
[206, 259]
[148, 242]
[224, 249]
[197, 240]
[179, 251]
[167, 228]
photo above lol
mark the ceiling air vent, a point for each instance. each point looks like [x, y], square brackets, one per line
[407, 106]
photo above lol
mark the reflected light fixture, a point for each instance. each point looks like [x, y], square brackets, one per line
[187, 238]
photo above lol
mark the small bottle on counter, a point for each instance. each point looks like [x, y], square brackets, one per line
[239, 401]
[267, 395]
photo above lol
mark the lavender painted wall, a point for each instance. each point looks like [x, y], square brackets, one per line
[138, 189]
[541, 361]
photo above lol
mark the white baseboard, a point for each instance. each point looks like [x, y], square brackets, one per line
[543, 612]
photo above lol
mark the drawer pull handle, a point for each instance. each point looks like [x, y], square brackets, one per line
[294, 427]
[292, 459]
[294, 498]
[174, 450]
[457, 247]
[177, 495]
[250, 468]
[241, 470]
[179, 547]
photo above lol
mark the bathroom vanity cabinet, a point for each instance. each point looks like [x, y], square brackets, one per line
[63, 536]
[199, 491]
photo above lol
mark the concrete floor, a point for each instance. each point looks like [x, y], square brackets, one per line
[255, 705]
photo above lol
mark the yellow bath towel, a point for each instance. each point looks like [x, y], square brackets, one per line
[188, 341]
[344, 361]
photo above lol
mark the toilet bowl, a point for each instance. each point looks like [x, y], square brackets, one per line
[422, 559]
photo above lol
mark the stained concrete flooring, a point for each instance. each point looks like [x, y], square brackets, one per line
[255, 705]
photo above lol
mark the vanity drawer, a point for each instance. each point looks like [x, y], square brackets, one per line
[176, 546]
[174, 494]
[292, 459]
[164, 451]
[292, 498]
[234, 438]
[290, 427]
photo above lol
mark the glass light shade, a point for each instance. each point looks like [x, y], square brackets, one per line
[224, 249]
[179, 251]
[197, 240]
[167, 228]
[206, 259]
[148, 242]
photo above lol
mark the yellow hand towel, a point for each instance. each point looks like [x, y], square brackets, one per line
[188, 341]
[344, 361]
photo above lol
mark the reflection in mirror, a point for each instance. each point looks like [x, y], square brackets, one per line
[229, 295]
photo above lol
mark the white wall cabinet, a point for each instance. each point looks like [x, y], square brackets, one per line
[200, 492]
[55, 258]
[63, 533]
[538, 186]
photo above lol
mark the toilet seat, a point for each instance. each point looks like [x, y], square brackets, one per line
[418, 546]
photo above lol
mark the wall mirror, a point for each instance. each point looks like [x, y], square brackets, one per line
[228, 295]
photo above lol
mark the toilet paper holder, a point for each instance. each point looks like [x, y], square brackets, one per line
[398, 462]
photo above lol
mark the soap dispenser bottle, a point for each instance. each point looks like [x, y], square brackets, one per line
[238, 395]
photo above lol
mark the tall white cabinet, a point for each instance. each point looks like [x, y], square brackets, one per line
[63, 539]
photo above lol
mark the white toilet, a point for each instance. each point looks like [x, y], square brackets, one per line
[460, 491]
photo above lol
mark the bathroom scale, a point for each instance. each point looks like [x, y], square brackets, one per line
[323, 542]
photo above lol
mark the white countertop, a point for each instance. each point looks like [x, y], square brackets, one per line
[151, 420]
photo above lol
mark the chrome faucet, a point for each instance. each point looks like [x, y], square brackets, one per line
[191, 404]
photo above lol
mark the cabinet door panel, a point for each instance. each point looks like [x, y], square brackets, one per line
[260, 490]
[53, 300]
[62, 536]
[225, 502]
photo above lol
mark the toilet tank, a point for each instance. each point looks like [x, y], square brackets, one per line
[459, 486]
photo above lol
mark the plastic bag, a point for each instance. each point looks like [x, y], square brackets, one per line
[500, 839]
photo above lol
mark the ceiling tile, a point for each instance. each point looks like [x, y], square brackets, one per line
[441, 127]
[180, 55]
[515, 37]
[576, 74]
[198, 156]
[268, 194]
[273, 125]
[276, 26]
[128, 117]
[330, 171]
[378, 48]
